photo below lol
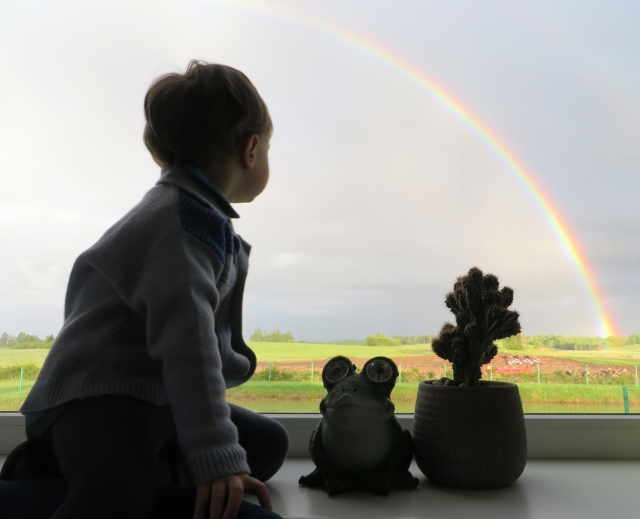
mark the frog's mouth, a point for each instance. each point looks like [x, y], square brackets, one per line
[347, 400]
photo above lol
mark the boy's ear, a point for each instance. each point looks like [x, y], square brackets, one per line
[248, 151]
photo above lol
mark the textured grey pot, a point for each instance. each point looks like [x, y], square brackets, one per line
[470, 437]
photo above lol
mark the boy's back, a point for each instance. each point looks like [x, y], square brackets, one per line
[153, 315]
[142, 312]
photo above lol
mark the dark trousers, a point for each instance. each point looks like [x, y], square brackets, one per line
[109, 450]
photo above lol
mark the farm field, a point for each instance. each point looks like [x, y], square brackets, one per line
[284, 376]
[10, 357]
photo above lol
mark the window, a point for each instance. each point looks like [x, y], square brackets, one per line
[412, 141]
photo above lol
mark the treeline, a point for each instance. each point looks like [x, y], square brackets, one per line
[566, 342]
[25, 341]
[516, 342]
[275, 336]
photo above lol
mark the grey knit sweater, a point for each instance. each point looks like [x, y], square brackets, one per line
[153, 310]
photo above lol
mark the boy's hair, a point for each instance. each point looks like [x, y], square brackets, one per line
[201, 116]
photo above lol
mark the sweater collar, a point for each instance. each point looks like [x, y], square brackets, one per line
[192, 179]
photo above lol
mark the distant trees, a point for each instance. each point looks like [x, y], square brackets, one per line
[275, 336]
[414, 339]
[25, 341]
[633, 339]
[515, 342]
[565, 342]
[23, 337]
[380, 339]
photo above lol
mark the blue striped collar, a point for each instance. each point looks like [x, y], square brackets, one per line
[214, 190]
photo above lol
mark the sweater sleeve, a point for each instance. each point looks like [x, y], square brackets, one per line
[176, 290]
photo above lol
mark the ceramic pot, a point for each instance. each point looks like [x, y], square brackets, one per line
[470, 437]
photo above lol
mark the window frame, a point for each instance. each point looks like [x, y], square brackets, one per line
[549, 436]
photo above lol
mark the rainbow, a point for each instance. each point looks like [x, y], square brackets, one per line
[522, 174]
[497, 146]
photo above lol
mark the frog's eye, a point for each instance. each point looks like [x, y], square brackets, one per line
[337, 370]
[379, 370]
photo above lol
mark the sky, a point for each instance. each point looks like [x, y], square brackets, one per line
[379, 196]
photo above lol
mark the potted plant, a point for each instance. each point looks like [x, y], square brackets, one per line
[470, 433]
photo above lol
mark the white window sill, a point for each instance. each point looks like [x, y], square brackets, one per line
[548, 436]
[550, 489]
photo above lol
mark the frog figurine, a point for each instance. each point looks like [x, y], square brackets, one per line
[359, 443]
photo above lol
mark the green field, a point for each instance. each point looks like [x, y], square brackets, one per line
[570, 393]
[573, 392]
[617, 357]
[9, 357]
[281, 351]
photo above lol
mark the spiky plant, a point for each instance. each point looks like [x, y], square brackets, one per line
[482, 317]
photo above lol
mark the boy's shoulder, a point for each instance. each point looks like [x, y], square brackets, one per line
[176, 203]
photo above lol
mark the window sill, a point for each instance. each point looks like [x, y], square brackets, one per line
[548, 436]
[567, 489]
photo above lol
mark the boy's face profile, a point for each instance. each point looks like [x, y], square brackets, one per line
[249, 172]
[245, 174]
[255, 173]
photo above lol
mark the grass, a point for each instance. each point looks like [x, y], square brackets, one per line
[403, 394]
[531, 393]
[577, 394]
[550, 392]
[9, 357]
[282, 351]
[10, 399]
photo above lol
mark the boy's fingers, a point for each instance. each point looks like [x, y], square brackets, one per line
[236, 492]
[218, 495]
[260, 490]
[202, 500]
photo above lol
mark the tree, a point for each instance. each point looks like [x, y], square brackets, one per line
[515, 342]
[380, 339]
[24, 337]
[616, 342]
[257, 336]
[275, 336]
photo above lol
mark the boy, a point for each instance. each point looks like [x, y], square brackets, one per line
[152, 334]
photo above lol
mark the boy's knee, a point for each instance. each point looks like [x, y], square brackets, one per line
[279, 440]
[275, 446]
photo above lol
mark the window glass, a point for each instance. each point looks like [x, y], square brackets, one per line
[413, 140]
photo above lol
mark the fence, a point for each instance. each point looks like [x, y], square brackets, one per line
[614, 389]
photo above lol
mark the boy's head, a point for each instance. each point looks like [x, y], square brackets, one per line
[203, 116]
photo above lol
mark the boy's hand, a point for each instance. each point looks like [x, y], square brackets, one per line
[225, 496]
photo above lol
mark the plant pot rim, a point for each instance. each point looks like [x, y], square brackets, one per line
[485, 384]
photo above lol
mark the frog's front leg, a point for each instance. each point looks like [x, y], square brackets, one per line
[394, 473]
[324, 474]
[402, 477]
